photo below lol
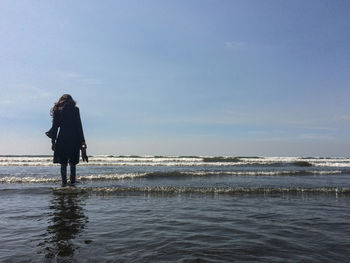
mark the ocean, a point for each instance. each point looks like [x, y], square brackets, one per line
[176, 209]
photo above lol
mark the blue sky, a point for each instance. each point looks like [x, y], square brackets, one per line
[179, 77]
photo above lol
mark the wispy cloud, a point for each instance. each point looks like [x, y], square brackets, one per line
[5, 102]
[20, 92]
[234, 44]
[316, 136]
[78, 77]
[342, 118]
[232, 118]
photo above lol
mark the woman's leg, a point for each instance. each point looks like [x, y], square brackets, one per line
[72, 173]
[64, 174]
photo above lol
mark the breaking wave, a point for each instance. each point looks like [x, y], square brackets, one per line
[110, 160]
[174, 174]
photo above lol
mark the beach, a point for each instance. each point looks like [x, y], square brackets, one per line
[176, 209]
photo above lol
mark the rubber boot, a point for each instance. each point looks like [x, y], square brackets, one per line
[64, 174]
[72, 173]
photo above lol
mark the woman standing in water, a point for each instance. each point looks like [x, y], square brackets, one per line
[70, 139]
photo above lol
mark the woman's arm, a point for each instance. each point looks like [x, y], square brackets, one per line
[81, 132]
[52, 133]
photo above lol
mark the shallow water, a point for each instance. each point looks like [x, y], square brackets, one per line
[280, 212]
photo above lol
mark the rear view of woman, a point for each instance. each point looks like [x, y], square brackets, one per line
[70, 139]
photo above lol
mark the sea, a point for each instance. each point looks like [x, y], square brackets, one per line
[176, 209]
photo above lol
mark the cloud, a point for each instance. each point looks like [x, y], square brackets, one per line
[316, 136]
[68, 74]
[21, 92]
[74, 76]
[342, 118]
[6, 102]
[234, 44]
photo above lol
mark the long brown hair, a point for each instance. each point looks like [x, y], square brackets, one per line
[66, 101]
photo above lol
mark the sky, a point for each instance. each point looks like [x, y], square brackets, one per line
[184, 77]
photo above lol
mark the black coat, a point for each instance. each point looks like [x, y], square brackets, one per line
[70, 136]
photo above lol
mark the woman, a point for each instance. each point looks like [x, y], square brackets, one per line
[70, 138]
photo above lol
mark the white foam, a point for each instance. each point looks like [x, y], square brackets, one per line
[111, 176]
[173, 161]
[97, 177]
[13, 179]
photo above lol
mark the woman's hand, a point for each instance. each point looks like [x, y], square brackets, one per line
[53, 145]
[83, 152]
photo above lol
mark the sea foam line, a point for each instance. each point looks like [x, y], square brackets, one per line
[174, 174]
[184, 164]
[96, 177]
[106, 160]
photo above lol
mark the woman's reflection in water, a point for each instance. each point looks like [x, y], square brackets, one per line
[67, 220]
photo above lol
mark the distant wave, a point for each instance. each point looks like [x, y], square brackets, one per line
[240, 173]
[221, 159]
[302, 163]
[183, 161]
[174, 174]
